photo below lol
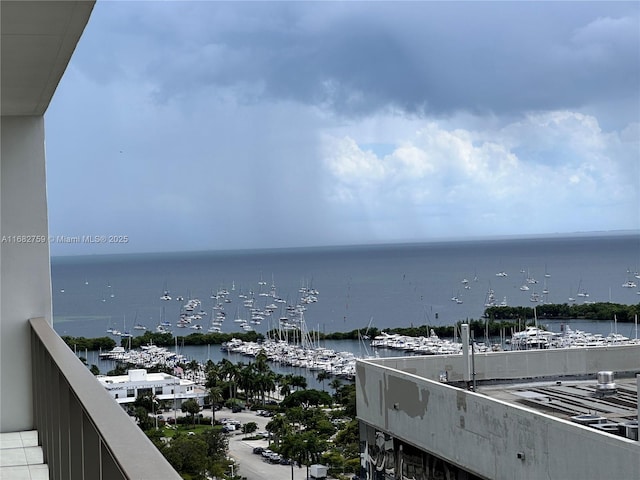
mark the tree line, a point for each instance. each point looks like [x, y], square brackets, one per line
[494, 321]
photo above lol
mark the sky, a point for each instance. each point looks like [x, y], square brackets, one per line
[201, 125]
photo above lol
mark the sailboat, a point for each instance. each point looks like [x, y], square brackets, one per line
[581, 291]
[125, 332]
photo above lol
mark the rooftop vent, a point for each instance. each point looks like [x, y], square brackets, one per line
[631, 430]
[588, 419]
[605, 385]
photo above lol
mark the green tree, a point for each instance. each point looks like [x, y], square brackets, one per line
[156, 438]
[119, 369]
[212, 373]
[193, 366]
[348, 439]
[215, 397]
[228, 373]
[217, 443]
[247, 381]
[278, 426]
[285, 384]
[145, 400]
[217, 446]
[249, 427]
[316, 420]
[298, 381]
[265, 382]
[346, 396]
[335, 384]
[306, 448]
[145, 422]
[192, 408]
[322, 376]
[188, 455]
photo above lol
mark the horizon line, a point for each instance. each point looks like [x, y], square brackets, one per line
[399, 242]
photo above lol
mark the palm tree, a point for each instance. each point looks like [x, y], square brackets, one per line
[215, 396]
[261, 364]
[285, 384]
[193, 365]
[299, 381]
[213, 374]
[247, 381]
[305, 448]
[322, 376]
[228, 371]
[335, 384]
[278, 426]
[265, 382]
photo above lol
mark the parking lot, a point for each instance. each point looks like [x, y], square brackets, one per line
[253, 466]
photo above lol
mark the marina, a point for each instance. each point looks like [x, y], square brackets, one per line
[300, 293]
[337, 289]
[309, 357]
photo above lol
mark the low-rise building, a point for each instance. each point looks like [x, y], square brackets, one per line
[126, 388]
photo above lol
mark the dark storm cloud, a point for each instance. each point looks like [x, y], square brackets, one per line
[419, 57]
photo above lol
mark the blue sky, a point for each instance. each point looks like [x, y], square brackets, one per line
[232, 125]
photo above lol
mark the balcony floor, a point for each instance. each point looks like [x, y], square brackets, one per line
[21, 457]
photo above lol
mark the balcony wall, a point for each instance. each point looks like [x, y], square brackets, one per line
[25, 282]
[84, 433]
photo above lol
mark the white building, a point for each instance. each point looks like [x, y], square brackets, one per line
[126, 388]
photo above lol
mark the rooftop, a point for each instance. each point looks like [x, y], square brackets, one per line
[571, 398]
[150, 377]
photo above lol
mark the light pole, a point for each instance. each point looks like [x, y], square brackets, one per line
[306, 456]
[153, 407]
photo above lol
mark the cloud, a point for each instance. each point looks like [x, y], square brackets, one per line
[443, 178]
[429, 58]
[266, 124]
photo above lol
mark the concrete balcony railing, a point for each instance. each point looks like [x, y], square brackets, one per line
[84, 434]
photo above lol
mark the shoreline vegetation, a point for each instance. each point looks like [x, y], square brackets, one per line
[495, 322]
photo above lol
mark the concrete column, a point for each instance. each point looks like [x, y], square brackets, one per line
[25, 278]
[464, 338]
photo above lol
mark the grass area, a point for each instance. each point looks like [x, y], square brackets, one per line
[170, 431]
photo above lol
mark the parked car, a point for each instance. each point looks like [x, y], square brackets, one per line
[258, 450]
[274, 458]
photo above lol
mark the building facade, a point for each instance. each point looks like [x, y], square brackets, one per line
[126, 388]
[420, 418]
